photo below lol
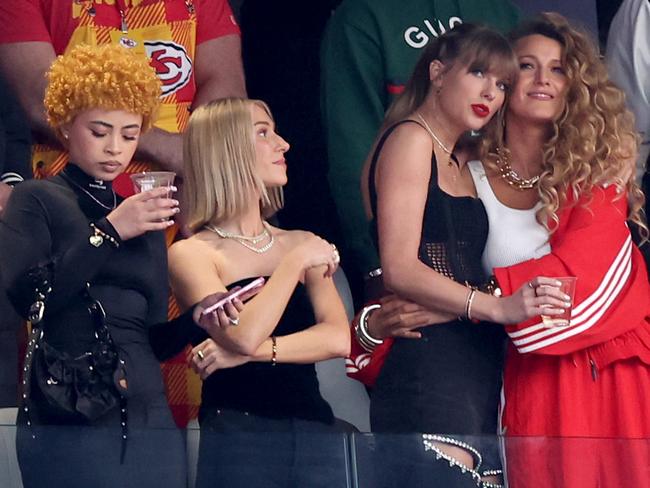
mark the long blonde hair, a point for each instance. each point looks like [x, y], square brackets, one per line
[220, 177]
[593, 140]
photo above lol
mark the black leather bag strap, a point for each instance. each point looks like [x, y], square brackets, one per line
[41, 279]
[33, 344]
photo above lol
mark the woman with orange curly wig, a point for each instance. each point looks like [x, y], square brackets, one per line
[87, 261]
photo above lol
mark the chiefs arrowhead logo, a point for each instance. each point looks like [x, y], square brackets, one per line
[355, 365]
[172, 64]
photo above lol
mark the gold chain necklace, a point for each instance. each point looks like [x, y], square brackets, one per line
[247, 242]
[511, 176]
[433, 135]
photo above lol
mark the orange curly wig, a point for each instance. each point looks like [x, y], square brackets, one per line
[109, 77]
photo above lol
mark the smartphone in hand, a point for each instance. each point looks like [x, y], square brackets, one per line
[252, 288]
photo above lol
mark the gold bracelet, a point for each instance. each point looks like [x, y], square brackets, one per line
[464, 314]
[99, 236]
[468, 305]
[274, 351]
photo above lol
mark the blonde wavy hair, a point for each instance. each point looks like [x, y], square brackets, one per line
[110, 77]
[220, 176]
[593, 141]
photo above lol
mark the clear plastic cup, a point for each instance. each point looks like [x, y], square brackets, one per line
[153, 179]
[568, 286]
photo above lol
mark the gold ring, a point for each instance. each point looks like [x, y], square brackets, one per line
[200, 355]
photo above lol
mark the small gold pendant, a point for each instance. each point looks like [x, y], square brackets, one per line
[96, 240]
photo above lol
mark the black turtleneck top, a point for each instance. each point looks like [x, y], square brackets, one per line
[48, 221]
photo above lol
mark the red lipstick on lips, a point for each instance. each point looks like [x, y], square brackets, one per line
[480, 109]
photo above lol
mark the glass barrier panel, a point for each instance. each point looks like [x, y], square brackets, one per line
[380, 461]
[78, 456]
[73, 456]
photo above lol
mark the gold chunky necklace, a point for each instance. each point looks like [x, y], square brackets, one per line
[246, 241]
[511, 176]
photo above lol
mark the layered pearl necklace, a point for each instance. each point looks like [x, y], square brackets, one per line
[249, 242]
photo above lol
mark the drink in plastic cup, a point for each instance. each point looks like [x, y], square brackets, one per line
[568, 286]
[153, 179]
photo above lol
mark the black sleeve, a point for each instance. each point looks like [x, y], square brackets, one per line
[15, 139]
[38, 230]
[158, 293]
[168, 339]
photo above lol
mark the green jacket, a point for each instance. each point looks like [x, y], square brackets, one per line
[368, 52]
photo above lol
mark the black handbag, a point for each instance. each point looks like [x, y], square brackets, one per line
[81, 388]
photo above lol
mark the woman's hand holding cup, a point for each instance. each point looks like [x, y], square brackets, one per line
[151, 210]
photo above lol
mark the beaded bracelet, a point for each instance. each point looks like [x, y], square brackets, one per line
[99, 236]
[274, 351]
[368, 342]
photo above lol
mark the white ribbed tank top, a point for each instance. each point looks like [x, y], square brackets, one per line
[514, 235]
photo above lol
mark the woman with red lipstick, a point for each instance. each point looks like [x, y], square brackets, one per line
[262, 416]
[97, 259]
[431, 231]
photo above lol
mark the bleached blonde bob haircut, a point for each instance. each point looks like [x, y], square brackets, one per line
[109, 77]
[220, 174]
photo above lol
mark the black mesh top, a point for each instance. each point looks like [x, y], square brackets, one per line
[454, 252]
